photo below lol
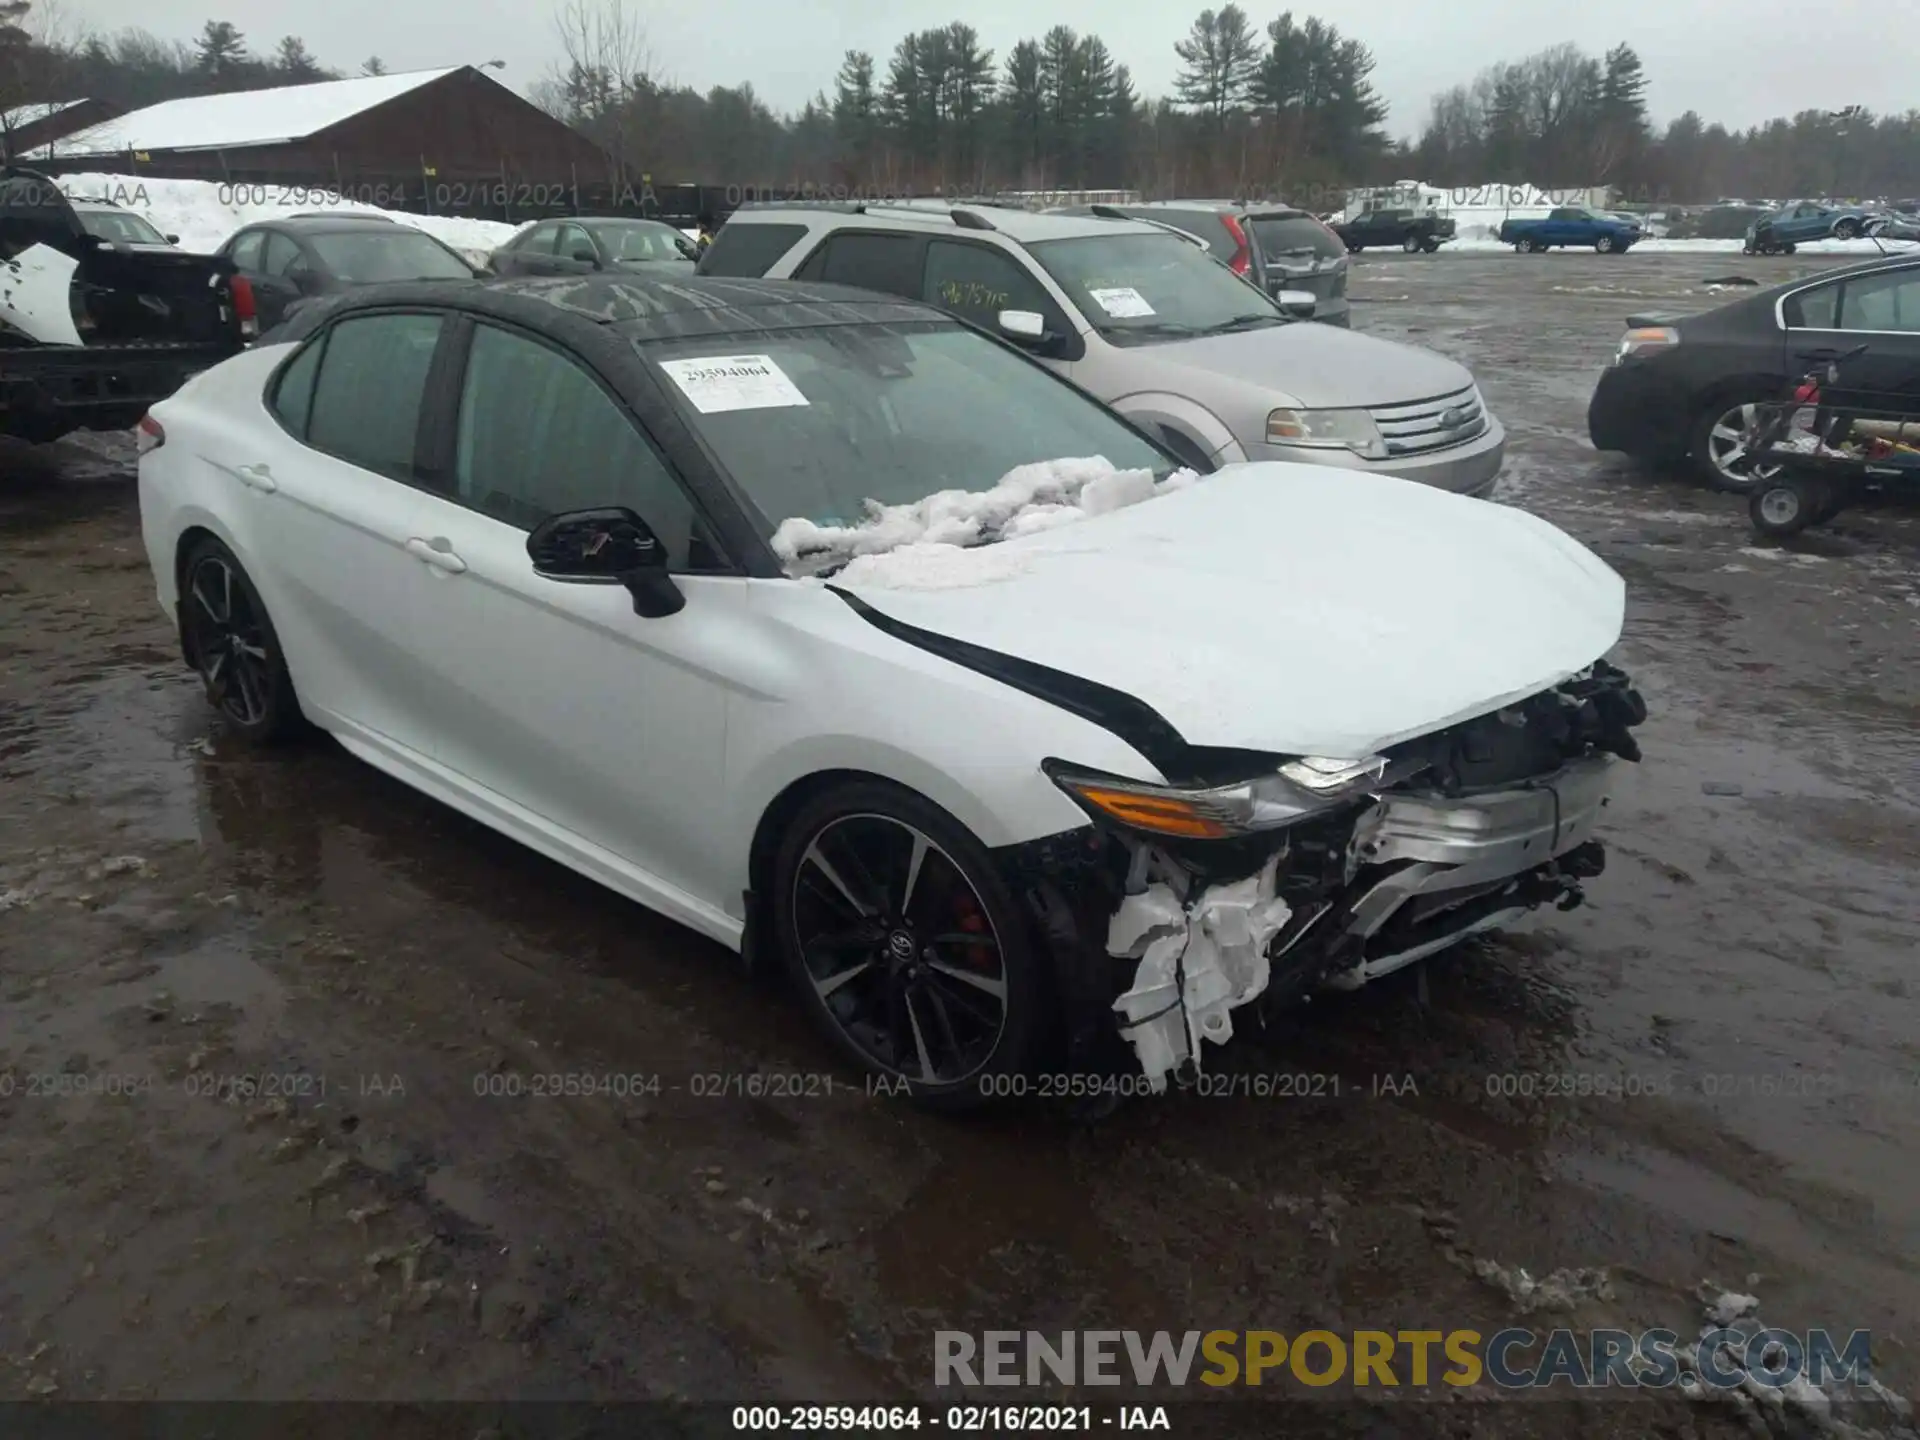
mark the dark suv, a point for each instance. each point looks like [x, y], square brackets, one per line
[1275, 246]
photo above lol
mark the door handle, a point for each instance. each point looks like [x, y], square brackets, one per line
[257, 477]
[437, 554]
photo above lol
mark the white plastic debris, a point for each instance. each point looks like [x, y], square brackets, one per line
[1198, 961]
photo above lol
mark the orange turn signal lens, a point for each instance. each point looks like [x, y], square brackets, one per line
[1162, 814]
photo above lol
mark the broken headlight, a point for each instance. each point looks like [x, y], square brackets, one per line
[1327, 430]
[1295, 790]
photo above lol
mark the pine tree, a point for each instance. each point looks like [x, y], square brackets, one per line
[856, 112]
[293, 61]
[1023, 102]
[1219, 59]
[222, 49]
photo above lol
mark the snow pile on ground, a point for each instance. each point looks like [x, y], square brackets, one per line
[1731, 1365]
[1197, 961]
[203, 213]
[937, 543]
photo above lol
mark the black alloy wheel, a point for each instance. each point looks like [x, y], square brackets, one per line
[906, 944]
[232, 644]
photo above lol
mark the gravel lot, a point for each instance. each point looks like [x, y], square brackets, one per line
[395, 1223]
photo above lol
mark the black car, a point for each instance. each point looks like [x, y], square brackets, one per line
[303, 256]
[1277, 247]
[1684, 387]
[1401, 229]
[584, 244]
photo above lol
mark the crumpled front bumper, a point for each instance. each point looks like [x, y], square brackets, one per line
[1425, 870]
[1423, 855]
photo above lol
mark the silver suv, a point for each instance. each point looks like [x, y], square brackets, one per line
[1150, 323]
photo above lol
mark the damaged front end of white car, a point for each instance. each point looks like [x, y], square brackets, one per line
[1253, 878]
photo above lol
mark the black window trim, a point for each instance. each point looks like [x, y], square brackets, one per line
[438, 443]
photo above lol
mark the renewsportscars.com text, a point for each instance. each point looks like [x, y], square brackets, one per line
[1512, 1359]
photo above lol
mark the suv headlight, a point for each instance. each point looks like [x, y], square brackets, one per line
[1327, 430]
[1295, 790]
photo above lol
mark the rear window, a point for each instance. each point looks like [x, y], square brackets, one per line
[366, 257]
[1204, 225]
[1284, 235]
[748, 251]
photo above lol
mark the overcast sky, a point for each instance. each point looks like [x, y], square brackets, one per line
[1736, 61]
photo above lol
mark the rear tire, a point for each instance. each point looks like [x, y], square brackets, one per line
[1604, 245]
[1714, 443]
[1846, 229]
[1431, 246]
[229, 639]
[1411, 244]
[866, 875]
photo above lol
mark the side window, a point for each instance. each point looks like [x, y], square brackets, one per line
[1560, 215]
[874, 262]
[246, 251]
[1813, 309]
[977, 283]
[539, 240]
[282, 255]
[293, 395]
[538, 435]
[366, 405]
[746, 250]
[1888, 301]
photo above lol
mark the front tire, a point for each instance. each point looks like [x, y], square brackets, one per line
[229, 639]
[906, 944]
[1431, 246]
[1847, 229]
[1411, 244]
[1605, 245]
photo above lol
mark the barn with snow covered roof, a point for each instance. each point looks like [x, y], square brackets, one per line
[454, 130]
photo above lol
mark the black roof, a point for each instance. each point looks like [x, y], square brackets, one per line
[320, 222]
[638, 306]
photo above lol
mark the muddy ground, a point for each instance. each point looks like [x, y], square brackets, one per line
[392, 1223]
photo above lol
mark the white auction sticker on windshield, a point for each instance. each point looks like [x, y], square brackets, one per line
[734, 382]
[1122, 302]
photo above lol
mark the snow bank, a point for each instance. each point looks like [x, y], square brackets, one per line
[203, 213]
[938, 543]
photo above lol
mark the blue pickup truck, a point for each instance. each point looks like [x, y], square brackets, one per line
[1572, 225]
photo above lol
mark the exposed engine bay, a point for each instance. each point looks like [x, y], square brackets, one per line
[1162, 926]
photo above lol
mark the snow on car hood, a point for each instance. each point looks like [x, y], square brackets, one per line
[1281, 607]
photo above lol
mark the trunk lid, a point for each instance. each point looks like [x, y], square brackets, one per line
[1286, 608]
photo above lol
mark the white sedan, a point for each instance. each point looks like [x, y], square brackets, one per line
[842, 633]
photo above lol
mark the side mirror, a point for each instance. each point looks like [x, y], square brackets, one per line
[1296, 304]
[613, 546]
[1023, 327]
[586, 256]
[172, 239]
[306, 281]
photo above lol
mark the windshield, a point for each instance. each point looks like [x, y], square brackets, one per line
[121, 226]
[1291, 236]
[1136, 289]
[366, 257]
[644, 242]
[822, 424]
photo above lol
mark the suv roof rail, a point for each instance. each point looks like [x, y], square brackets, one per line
[1108, 212]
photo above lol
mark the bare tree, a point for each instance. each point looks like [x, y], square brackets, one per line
[607, 69]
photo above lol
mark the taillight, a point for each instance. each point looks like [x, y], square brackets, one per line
[244, 309]
[1242, 256]
[148, 435]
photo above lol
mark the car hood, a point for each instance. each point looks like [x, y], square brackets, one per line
[1313, 365]
[1287, 608]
